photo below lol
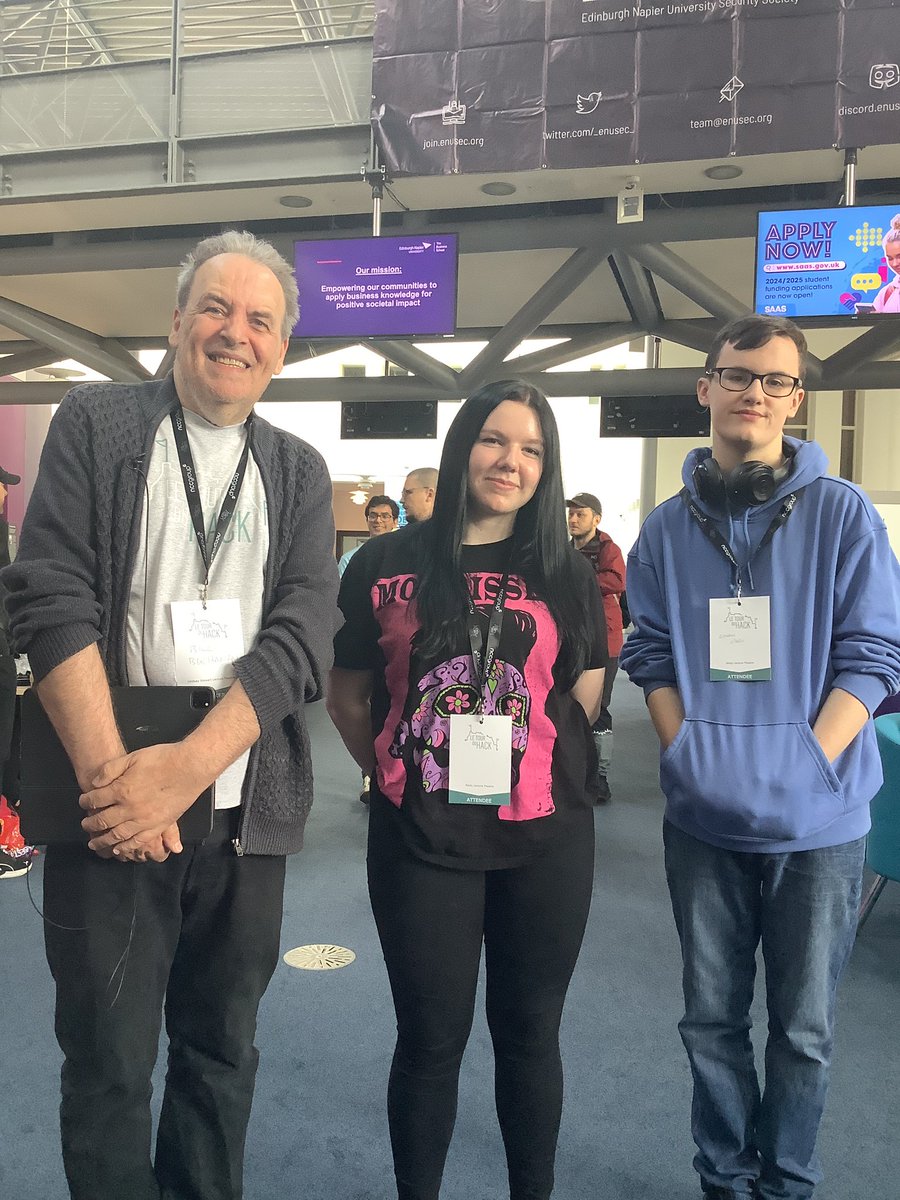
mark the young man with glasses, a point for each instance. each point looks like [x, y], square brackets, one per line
[381, 517]
[766, 604]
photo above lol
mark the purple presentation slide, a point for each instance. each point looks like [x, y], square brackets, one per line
[377, 287]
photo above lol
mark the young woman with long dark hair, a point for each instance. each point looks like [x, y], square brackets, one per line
[467, 675]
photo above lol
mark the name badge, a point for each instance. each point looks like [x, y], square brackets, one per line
[480, 759]
[740, 639]
[207, 640]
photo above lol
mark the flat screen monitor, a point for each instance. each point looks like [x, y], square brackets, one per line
[828, 262]
[673, 415]
[377, 287]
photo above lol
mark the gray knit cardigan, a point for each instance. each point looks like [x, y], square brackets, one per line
[69, 585]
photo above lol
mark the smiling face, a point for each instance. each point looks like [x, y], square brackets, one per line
[749, 425]
[380, 519]
[227, 340]
[892, 254]
[505, 463]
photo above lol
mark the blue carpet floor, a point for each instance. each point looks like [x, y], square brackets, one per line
[319, 1130]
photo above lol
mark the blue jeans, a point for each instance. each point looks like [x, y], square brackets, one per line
[803, 907]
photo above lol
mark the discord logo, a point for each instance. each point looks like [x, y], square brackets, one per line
[884, 75]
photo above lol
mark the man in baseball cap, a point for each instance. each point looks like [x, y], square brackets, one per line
[605, 557]
[15, 856]
[7, 479]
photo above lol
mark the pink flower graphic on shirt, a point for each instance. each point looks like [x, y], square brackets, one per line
[458, 702]
[448, 690]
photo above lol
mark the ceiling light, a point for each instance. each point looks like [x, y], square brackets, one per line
[359, 497]
[498, 188]
[725, 171]
[295, 201]
[59, 372]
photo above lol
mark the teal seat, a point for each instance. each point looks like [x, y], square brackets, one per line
[883, 845]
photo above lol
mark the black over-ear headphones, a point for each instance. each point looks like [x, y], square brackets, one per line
[747, 485]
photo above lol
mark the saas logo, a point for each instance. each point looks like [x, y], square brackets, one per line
[731, 89]
[453, 113]
[884, 75]
[588, 104]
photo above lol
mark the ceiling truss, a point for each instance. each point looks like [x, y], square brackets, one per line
[632, 266]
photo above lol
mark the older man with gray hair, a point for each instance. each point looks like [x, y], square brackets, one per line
[156, 505]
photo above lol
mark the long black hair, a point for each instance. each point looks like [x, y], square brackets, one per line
[540, 550]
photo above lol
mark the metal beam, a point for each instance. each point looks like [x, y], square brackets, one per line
[305, 350]
[27, 360]
[872, 377]
[600, 338]
[697, 335]
[410, 358]
[687, 280]
[637, 291]
[545, 301]
[165, 363]
[69, 341]
[494, 231]
[870, 346]
[649, 382]
[32, 393]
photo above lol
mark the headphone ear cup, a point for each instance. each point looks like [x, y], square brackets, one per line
[756, 482]
[751, 483]
[710, 482]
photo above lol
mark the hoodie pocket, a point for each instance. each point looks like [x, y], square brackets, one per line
[753, 783]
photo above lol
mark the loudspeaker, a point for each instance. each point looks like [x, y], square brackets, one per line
[388, 419]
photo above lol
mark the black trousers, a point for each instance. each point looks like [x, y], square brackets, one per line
[7, 706]
[432, 922]
[199, 936]
[604, 720]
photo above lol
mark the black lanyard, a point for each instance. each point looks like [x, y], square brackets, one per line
[715, 536]
[482, 662]
[192, 492]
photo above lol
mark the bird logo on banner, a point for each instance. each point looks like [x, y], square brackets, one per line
[588, 104]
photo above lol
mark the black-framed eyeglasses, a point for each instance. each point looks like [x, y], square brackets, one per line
[774, 383]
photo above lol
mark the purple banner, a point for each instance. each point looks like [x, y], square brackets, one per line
[492, 85]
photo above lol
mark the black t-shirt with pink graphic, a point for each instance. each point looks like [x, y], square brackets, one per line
[413, 699]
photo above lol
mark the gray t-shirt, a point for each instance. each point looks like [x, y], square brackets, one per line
[170, 558]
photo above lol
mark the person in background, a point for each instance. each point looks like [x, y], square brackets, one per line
[418, 494]
[158, 507]
[465, 679]
[16, 857]
[766, 606]
[381, 517]
[608, 565]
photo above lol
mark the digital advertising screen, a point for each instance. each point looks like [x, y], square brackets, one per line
[377, 287]
[829, 262]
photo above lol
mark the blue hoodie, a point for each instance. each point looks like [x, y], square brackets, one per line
[745, 771]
